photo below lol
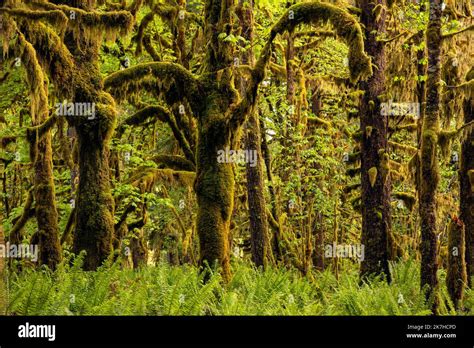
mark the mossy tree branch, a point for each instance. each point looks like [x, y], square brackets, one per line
[122, 82]
[54, 17]
[121, 20]
[174, 162]
[164, 115]
[346, 27]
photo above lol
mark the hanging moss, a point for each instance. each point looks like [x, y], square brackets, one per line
[120, 20]
[368, 131]
[403, 147]
[456, 277]
[35, 79]
[372, 172]
[345, 25]
[54, 17]
[54, 57]
[122, 83]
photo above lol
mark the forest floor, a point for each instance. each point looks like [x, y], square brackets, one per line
[180, 290]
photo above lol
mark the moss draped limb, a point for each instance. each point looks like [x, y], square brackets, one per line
[123, 82]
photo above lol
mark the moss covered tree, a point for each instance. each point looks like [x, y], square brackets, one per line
[3, 280]
[26, 25]
[69, 53]
[375, 176]
[221, 110]
[466, 177]
[259, 234]
[429, 157]
[456, 277]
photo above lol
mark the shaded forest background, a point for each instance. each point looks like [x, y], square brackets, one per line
[351, 123]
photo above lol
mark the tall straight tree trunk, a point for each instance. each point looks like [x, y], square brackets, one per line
[255, 188]
[45, 204]
[466, 177]
[429, 157]
[375, 177]
[3, 287]
[260, 240]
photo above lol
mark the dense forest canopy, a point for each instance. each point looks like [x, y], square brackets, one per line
[237, 145]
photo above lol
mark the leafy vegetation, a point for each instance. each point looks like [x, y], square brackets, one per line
[347, 129]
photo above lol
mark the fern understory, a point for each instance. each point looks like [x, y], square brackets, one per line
[167, 290]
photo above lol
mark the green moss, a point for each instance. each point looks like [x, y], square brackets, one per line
[372, 172]
[125, 82]
[456, 277]
[368, 131]
[346, 26]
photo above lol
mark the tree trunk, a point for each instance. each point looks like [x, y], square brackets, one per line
[41, 154]
[255, 188]
[95, 205]
[45, 204]
[456, 273]
[275, 241]
[214, 188]
[139, 250]
[3, 280]
[261, 251]
[466, 178]
[429, 158]
[375, 177]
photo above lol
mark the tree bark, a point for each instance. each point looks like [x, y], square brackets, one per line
[429, 158]
[456, 276]
[94, 227]
[3, 284]
[466, 178]
[95, 205]
[255, 189]
[45, 204]
[215, 190]
[375, 178]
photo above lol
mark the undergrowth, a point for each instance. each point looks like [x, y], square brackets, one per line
[167, 290]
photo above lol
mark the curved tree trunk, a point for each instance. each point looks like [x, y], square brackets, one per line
[375, 178]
